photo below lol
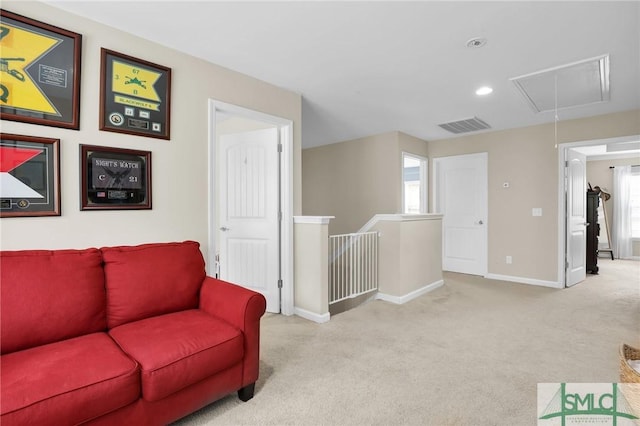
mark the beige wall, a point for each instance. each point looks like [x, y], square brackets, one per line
[180, 166]
[599, 174]
[410, 254]
[413, 145]
[357, 179]
[354, 180]
[528, 160]
[311, 271]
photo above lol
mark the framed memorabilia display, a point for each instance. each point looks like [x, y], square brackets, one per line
[29, 176]
[135, 96]
[39, 72]
[114, 178]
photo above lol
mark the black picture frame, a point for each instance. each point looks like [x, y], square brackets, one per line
[39, 73]
[135, 96]
[114, 178]
[30, 176]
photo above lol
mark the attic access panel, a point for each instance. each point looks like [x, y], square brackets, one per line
[580, 83]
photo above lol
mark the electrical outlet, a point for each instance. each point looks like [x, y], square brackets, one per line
[509, 260]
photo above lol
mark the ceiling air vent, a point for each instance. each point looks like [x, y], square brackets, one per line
[464, 126]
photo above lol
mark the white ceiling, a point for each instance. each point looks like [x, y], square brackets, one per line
[368, 67]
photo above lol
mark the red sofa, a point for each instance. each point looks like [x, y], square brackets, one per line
[134, 335]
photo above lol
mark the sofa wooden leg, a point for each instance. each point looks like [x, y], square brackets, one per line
[246, 393]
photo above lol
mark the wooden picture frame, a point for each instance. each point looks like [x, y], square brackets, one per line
[39, 72]
[29, 176]
[135, 96]
[114, 178]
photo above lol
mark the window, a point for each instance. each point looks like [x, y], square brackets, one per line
[414, 184]
[634, 201]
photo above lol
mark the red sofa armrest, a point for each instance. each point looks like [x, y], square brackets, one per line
[241, 308]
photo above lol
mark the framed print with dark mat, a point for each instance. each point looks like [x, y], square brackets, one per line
[114, 178]
[135, 96]
[39, 72]
[29, 176]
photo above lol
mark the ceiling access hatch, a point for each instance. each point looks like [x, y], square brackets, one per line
[579, 83]
[465, 126]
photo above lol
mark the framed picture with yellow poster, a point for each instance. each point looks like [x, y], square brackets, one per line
[135, 96]
[39, 72]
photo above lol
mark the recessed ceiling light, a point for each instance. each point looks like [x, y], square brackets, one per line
[485, 90]
[476, 42]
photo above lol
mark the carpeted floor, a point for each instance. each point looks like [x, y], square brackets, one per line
[469, 353]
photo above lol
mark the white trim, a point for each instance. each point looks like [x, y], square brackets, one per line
[522, 280]
[562, 216]
[285, 127]
[397, 218]
[400, 300]
[562, 186]
[286, 176]
[316, 220]
[312, 316]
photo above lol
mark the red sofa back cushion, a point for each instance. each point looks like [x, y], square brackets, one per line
[48, 296]
[151, 279]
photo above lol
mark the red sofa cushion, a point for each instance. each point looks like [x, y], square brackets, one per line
[179, 349]
[67, 382]
[47, 296]
[151, 279]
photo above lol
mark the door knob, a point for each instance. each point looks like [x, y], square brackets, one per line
[224, 229]
[480, 222]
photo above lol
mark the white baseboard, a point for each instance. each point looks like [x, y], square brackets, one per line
[399, 300]
[311, 316]
[522, 280]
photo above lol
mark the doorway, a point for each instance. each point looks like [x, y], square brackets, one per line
[250, 254]
[568, 252]
[461, 195]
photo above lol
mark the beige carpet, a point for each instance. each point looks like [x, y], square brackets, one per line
[468, 353]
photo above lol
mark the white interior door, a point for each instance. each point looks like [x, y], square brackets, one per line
[461, 196]
[249, 229]
[576, 217]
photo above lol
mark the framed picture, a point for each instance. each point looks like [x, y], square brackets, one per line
[135, 96]
[29, 176]
[39, 72]
[114, 178]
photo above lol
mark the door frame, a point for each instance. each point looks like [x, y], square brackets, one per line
[285, 130]
[436, 205]
[562, 199]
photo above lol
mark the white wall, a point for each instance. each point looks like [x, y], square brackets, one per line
[179, 166]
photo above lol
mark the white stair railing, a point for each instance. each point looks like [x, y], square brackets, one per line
[353, 265]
